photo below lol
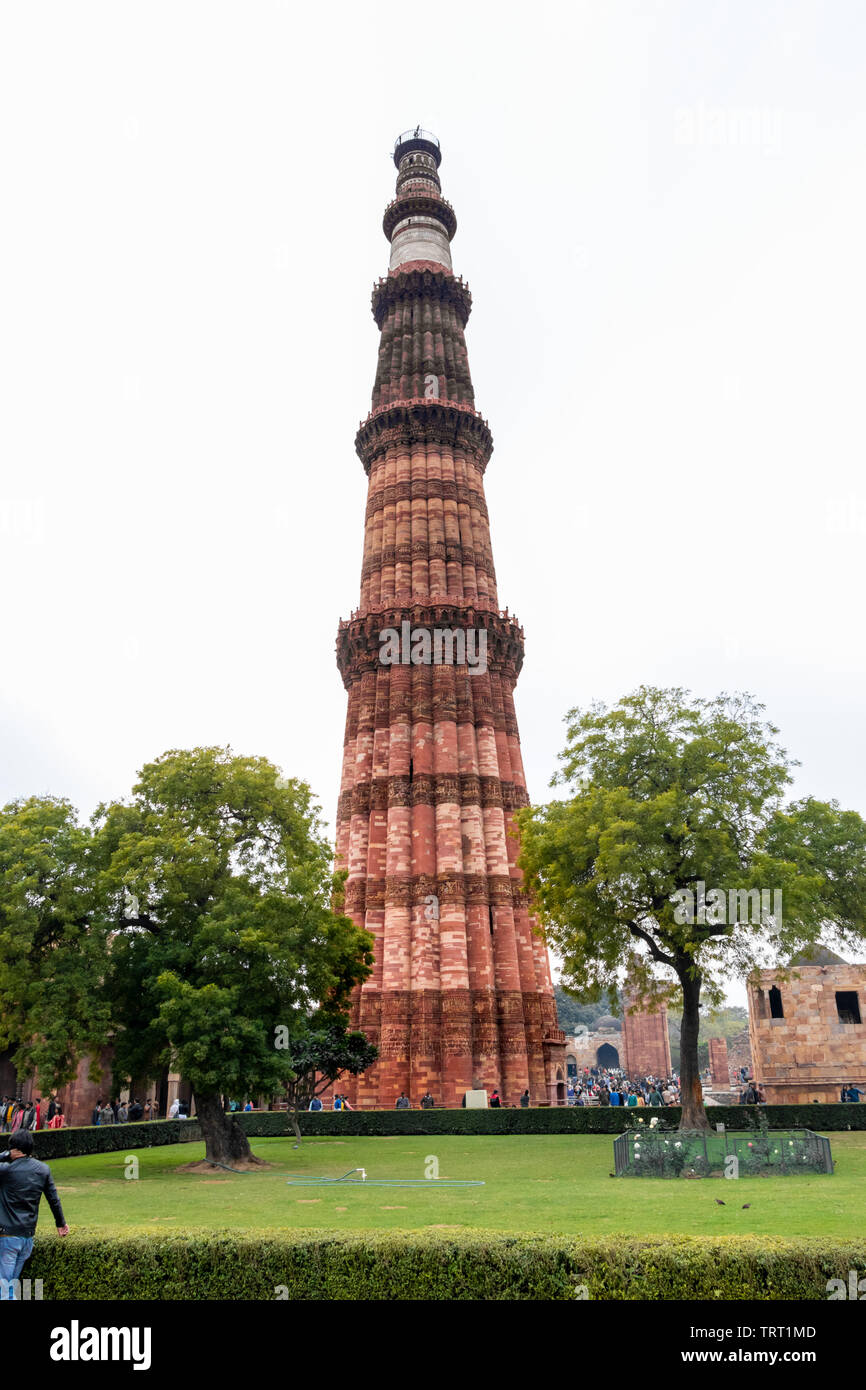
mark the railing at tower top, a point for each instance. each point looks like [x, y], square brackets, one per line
[416, 134]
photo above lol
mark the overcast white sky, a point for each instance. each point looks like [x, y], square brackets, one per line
[662, 217]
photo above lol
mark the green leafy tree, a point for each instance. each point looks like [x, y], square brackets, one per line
[319, 1056]
[726, 1022]
[668, 791]
[51, 1009]
[217, 887]
[196, 920]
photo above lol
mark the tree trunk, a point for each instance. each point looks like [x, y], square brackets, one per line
[225, 1141]
[694, 1115]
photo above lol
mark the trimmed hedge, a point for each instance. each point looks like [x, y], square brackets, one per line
[269, 1124]
[306, 1265]
[576, 1119]
[49, 1144]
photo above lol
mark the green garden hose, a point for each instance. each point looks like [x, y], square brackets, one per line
[380, 1182]
[364, 1181]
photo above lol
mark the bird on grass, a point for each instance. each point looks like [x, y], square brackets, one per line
[746, 1206]
[718, 1201]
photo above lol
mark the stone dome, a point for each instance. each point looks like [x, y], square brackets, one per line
[608, 1024]
[817, 955]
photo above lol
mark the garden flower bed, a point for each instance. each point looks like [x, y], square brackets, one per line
[652, 1151]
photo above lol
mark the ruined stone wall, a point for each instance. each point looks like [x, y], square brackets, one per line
[720, 1071]
[645, 1041]
[809, 1052]
[740, 1052]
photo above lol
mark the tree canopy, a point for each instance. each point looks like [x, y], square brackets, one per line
[670, 797]
[206, 907]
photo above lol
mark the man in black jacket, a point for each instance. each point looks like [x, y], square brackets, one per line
[23, 1180]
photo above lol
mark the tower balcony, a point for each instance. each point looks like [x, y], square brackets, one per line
[424, 421]
[417, 139]
[415, 205]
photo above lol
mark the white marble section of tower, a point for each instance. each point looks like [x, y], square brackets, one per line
[419, 222]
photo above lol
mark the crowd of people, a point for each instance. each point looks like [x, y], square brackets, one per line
[611, 1086]
[594, 1086]
[16, 1113]
[121, 1112]
[37, 1113]
[427, 1101]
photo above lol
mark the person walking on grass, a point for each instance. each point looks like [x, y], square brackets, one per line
[23, 1180]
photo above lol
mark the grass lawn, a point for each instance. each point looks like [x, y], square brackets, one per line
[556, 1183]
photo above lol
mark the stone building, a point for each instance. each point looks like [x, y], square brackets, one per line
[638, 1043]
[808, 1028]
[600, 1046]
[461, 991]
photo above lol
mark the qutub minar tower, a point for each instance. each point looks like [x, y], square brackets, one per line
[460, 994]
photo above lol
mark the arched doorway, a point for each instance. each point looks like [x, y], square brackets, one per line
[607, 1056]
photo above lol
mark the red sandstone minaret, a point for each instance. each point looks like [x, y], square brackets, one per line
[460, 991]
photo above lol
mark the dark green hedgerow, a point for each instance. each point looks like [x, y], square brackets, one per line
[69, 1143]
[576, 1119]
[307, 1265]
[50, 1144]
